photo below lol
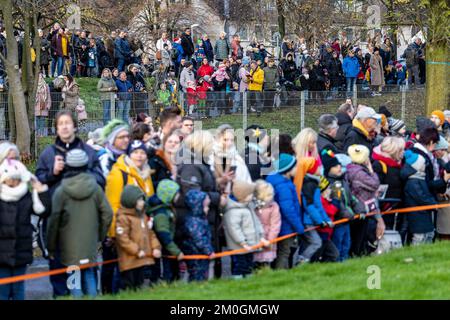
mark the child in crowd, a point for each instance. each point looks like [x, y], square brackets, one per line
[191, 96]
[197, 234]
[313, 213]
[163, 96]
[286, 197]
[81, 216]
[397, 128]
[17, 205]
[364, 184]
[242, 228]
[81, 115]
[137, 244]
[203, 87]
[346, 202]
[199, 52]
[401, 73]
[163, 213]
[268, 213]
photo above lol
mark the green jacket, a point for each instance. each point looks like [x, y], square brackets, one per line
[164, 224]
[103, 86]
[271, 78]
[164, 97]
[80, 218]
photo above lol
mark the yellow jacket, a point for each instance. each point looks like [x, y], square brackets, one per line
[115, 185]
[258, 79]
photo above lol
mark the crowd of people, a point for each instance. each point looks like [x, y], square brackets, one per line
[153, 196]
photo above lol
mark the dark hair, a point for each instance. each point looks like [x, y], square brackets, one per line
[139, 130]
[428, 135]
[65, 113]
[141, 117]
[187, 118]
[69, 76]
[169, 114]
[284, 142]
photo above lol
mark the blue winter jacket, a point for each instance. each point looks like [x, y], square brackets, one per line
[313, 214]
[44, 169]
[286, 197]
[122, 49]
[180, 51]
[196, 229]
[351, 67]
[122, 89]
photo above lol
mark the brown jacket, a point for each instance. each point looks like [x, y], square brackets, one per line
[133, 235]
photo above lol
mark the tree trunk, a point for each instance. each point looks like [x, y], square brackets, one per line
[281, 19]
[15, 84]
[437, 83]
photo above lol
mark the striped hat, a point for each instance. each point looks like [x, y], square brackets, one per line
[77, 158]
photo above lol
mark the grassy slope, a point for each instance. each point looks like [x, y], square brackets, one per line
[426, 277]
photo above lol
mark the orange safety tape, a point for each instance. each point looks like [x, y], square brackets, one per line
[218, 255]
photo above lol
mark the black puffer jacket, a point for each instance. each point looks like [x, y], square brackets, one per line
[16, 231]
[345, 124]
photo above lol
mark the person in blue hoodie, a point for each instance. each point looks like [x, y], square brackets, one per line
[351, 70]
[287, 199]
[177, 54]
[197, 234]
[313, 211]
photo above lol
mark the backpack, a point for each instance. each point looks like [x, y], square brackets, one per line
[174, 53]
[411, 57]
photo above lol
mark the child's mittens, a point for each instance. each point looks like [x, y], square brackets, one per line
[141, 254]
[156, 253]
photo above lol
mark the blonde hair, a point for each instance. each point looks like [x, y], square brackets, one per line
[200, 143]
[264, 191]
[394, 147]
[301, 143]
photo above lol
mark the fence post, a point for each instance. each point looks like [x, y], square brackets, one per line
[181, 100]
[302, 110]
[244, 110]
[355, 94]
[113, 105]
[403, 90]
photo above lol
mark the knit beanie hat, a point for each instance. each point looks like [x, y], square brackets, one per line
[440, 115]
[241, 190]
[442, 144]
[96, 136]
[112, 130]
[77, 158]
[396, 125]
[136, 145]
[415, 161]
[384, 110]
[166, 191]
[358, 153]
[130, 195]
[423, 123]
[284, 163]
[5, 148]
[329, 161]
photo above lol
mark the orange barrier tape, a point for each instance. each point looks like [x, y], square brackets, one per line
[37, 275]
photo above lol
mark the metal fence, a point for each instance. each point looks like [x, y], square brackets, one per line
[288, 111]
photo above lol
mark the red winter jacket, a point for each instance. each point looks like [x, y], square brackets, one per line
[205, 70]
[202, 90]
[331, 211]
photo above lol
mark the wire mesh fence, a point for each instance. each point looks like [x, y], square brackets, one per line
[287, 111]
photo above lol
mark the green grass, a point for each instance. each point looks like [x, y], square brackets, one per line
[427, 276]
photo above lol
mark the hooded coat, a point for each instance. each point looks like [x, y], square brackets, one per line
[134, 234]
[270, 218]
[241, 225]
[81, 216]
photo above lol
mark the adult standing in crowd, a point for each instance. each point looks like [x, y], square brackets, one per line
[376, 72]
[363, 131]
[164, 40]
[51, 168]
[122, 51]
[328, 128]
[187, 44]
[208, 47]
[60, 49]
[163, 161]
[222, 48]
[45, 53]
[107, 88]
[70, 93]
[194, 172]
[351, 70]
[345, 115]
